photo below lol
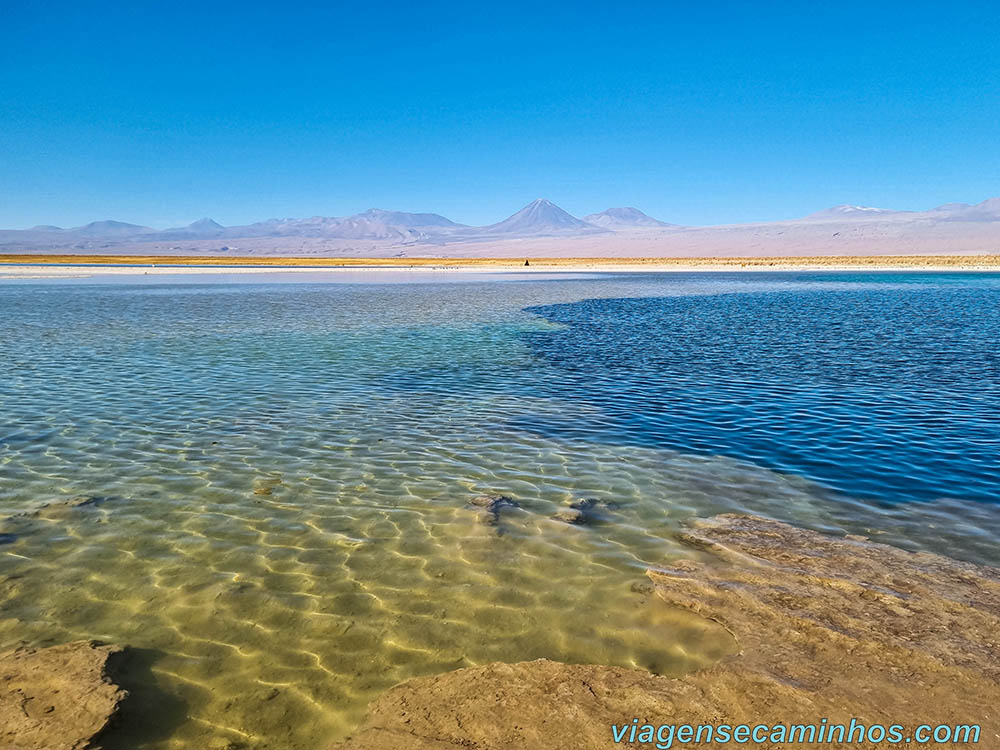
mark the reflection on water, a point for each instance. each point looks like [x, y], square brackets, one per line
[269, 485]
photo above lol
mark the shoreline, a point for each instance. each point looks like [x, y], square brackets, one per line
[793, 601]
[63, 266]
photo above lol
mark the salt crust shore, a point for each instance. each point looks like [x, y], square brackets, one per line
[834, 628]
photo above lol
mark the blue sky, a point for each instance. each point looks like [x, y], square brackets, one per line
[696, 113]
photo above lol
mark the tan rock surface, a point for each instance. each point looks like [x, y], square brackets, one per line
[57, 698]
[835, 628]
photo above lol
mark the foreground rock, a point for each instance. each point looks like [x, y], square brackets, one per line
[57, 698]
[834, 628]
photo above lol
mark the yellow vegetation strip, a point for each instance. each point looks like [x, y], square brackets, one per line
[880, 261]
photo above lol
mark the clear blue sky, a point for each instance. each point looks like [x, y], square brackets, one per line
[160, 113]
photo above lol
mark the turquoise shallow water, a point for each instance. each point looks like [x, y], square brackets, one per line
[275, 476]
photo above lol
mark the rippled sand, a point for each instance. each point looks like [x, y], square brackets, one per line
[266, 491]
[282, 609]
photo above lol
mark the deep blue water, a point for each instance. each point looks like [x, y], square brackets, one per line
[889, 392]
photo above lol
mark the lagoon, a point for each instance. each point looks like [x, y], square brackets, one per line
[265, 484]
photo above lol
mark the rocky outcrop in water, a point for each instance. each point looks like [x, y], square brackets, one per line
[57, 698]
[829, 627]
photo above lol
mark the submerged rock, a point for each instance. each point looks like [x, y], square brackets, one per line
[266, 485]
[834, 628]
[492, 505]
[58, 509]
[584, 511]
[571, 515]
[493, 502]
[80, 508]
[57, 698]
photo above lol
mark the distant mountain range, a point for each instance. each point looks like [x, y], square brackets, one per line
[538, 218]
[973, 228]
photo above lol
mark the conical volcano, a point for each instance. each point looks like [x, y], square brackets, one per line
[541, 217]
